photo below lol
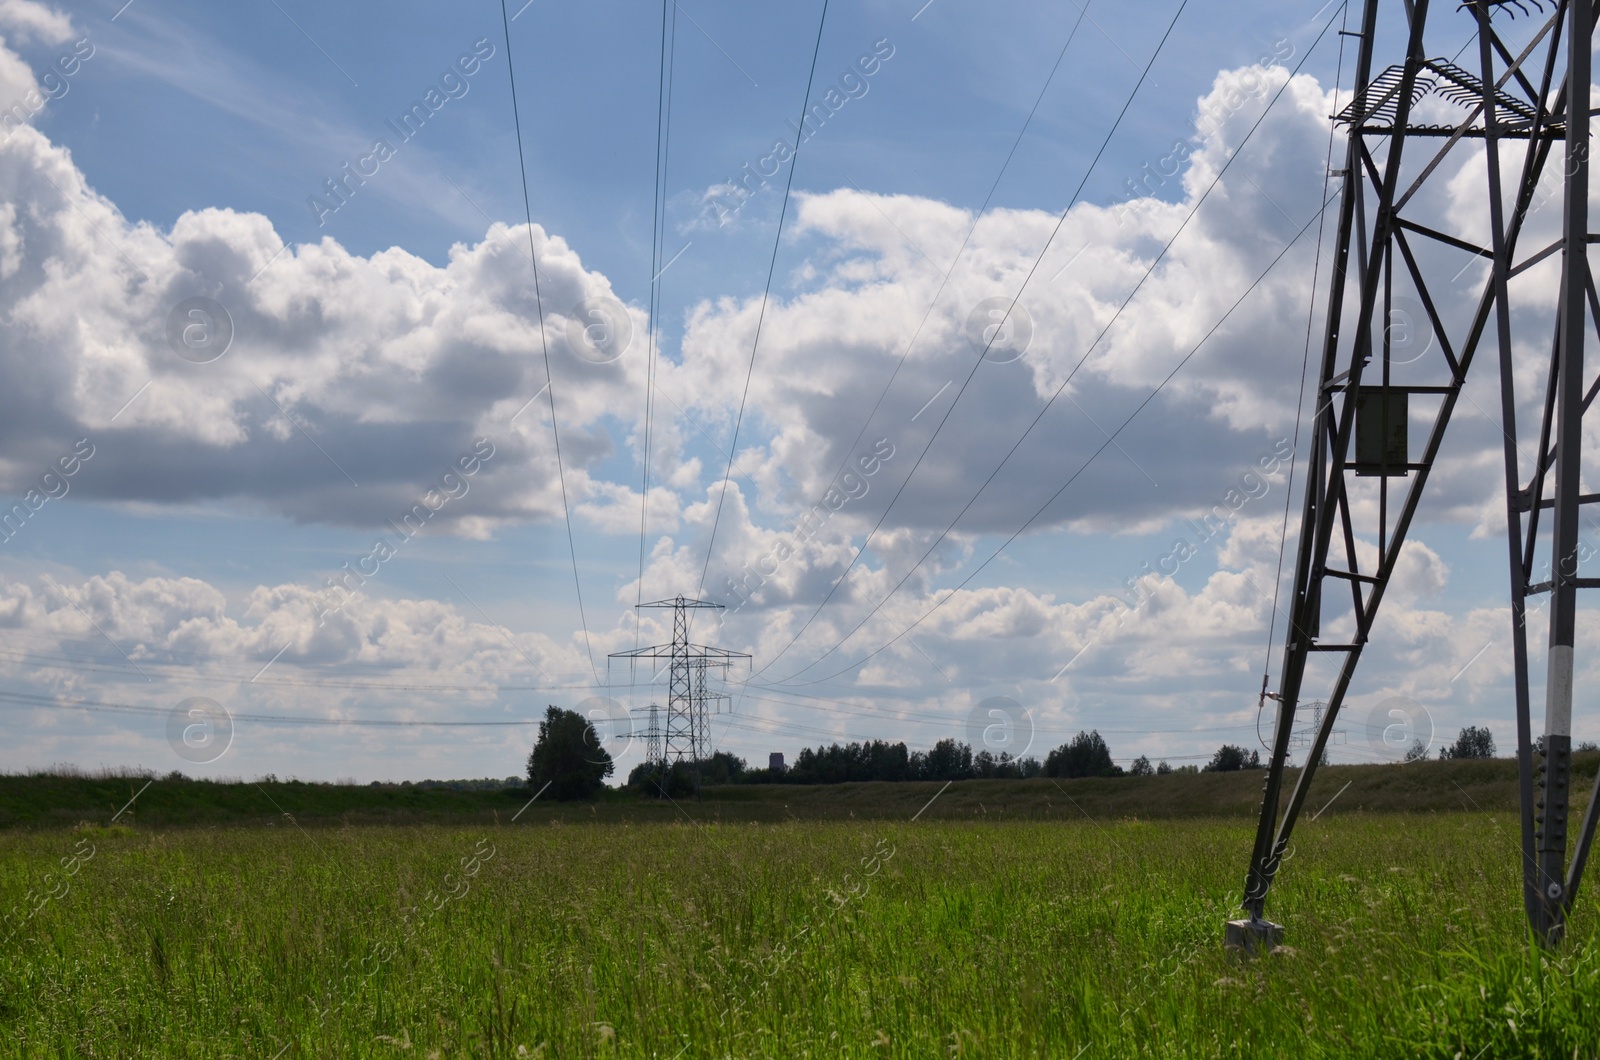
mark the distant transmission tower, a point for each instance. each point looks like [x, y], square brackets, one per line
[1306, 735]
[686, 737]
[650, 730]
[1410, 230]
[652, 737]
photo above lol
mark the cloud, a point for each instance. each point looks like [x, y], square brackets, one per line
[186, 623]
[343, 370]
[35, 23]
[1185, 658]
[355, 384]
[26, 22]
[381, 370]
[874, 266]
[829, 349]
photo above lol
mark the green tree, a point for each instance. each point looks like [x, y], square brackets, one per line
[568, 757]
[1141, 767]
[1230, 758]
[1472, 742]
[1086, 756]
[949, 760]
[722, 767]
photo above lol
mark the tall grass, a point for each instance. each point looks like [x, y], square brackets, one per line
[851, 939]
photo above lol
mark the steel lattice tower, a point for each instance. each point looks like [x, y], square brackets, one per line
[653, 752]
[1527, 103]
[686, 736]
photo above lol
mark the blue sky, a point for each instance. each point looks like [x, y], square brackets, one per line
[376, 343]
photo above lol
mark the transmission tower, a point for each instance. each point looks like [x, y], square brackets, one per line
[1526, 103]
[652, 736]
[646, 723]
[686, 736]
[1307, 734]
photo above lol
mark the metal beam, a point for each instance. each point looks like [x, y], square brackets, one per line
[1551, 821]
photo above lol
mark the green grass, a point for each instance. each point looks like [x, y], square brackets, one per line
[967, 937]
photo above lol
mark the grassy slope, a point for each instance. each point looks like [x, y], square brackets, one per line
[49, 801]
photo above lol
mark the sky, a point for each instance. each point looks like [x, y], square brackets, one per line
[331, 441]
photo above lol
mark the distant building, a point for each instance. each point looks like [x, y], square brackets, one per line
[775, 762]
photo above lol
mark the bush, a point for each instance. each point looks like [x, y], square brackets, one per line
[989, 767]
[651, 778]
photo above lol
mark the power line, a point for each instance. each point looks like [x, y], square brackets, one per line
[978, 363]
[1081, 468]
[187, 673]
[761, 316]
[812, 702]
[1150, 271]
[288, 719]
[657, 231]
[1300, 404]
[544, 342]
[75, 665]
[927, 718]
[827, 705]
[945, 279]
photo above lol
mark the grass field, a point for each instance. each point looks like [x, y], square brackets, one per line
[884, 938]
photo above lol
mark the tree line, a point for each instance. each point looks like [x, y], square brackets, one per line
[1086, 755]
[569, 760]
